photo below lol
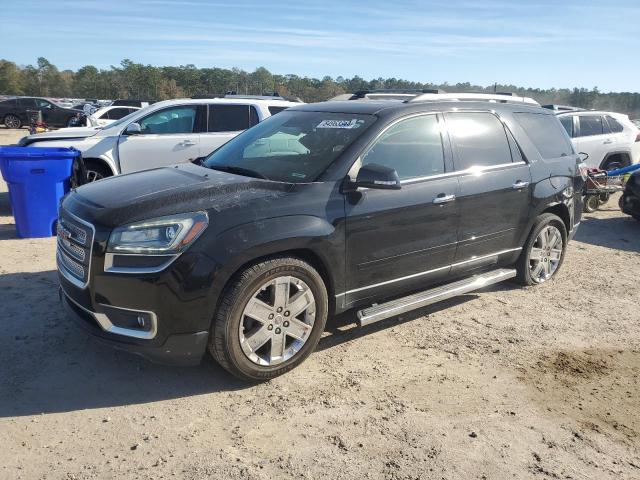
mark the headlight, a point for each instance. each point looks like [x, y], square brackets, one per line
[164, 235]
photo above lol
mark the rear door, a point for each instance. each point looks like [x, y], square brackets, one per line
[594, 138]
[168, 136]
[224, 122]
[495, 188]
[400, 239]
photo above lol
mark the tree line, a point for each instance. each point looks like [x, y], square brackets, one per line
[146, 82]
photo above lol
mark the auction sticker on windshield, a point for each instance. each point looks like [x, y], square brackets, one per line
[355, 123]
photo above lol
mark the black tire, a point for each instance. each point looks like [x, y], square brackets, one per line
[591, 203]
[96, 171]
[12, 121]
[522, 265]
[224, 339]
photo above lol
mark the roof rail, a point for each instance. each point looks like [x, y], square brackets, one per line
[491, 97]
[246, 97]
[563, 108]
[393, 91]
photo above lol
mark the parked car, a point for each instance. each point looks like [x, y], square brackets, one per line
[107, 115]
[610, 139]
[15, 112]
[630, 199]
[131, 103]
[382, 207]
[164, 133]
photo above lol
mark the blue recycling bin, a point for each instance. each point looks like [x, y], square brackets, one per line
[37, 178]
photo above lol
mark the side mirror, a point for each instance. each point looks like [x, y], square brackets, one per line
[133, 129]
[584, 156]
[378, 176]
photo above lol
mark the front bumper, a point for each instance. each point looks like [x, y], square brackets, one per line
[178, 349]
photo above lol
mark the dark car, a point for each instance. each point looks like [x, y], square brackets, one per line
[381, 207]
[15, 112]
[630, 200]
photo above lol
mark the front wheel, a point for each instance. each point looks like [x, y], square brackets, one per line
[270, 319]
[543, 253]
[591, 203]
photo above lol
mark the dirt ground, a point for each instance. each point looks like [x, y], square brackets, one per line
[505, 383]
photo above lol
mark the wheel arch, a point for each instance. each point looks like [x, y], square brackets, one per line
[99, 161]
[560, 210]
[625, 158]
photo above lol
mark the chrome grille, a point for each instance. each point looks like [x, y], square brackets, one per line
[75, 238]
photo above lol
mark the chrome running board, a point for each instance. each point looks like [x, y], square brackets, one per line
[375, 313]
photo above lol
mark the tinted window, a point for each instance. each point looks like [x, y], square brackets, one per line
[26, 103]
[117, 113]
[546, 134]
[228, 118]
[614, 125]
[567, 123]
[590, 125]
[292, 146]
[170, 120]
[412, 147]
[254, 120]
[274, 110]
[479, 138]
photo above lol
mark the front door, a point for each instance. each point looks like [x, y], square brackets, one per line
[495, 188]
[398, 240]
[167, 136]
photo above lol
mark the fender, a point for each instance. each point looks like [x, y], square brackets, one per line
[239, 246]
[552, 193]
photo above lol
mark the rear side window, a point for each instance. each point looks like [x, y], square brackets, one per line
[590, 125]
[230, 118]
[274, 110]
[546, 134]
[480, 139]
[26, 103]
[614, 125]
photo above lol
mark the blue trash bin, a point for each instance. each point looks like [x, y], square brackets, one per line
[37, 178]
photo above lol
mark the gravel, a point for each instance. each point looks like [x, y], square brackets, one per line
[507, 382]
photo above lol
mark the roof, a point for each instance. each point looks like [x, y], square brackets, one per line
[388, 107]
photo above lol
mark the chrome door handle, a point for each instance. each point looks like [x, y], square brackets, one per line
[444, 199]
[608, 141]
[187, 143]
[519, 184]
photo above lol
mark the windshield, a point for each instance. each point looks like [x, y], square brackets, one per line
[292, 146]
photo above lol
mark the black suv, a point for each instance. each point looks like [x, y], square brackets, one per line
[15, 112]
[379, 206]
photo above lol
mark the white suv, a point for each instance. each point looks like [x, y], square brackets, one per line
[168, 132]
[610, 139]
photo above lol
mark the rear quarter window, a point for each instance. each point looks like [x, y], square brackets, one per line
[546, 133]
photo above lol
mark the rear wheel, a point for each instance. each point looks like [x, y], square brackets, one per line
[270, 319]
[543, 253]
[12, 121]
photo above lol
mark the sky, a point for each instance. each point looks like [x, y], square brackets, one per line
[537, 43]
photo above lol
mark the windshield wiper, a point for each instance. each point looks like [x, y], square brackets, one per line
[246, 172]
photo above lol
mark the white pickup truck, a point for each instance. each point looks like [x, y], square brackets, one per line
[168, 132]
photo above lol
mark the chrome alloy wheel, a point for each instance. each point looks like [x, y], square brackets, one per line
[546, 254]
[277, 321]
[11, 121]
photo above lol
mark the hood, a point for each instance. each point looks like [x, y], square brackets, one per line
[164, 191]
[75, 133]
